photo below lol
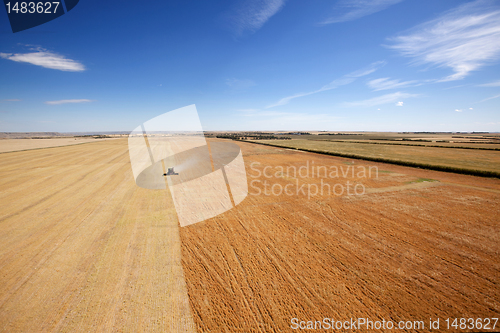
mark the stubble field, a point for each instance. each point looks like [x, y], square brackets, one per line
[419, 244]
[8, 145]
[84, 249]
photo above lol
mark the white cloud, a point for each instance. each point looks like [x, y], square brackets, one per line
[367, 70]
[491, 84]
[463, 39]
[487, 99]
[458, 110]
[386, 83]
[346, 79]
[66, 101]
[399, 104]
[357, 9]
[471, 109]
[251, 15]
[46, 59]
[384, 99]
[458, 86]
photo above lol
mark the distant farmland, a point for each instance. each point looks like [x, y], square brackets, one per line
[468, 161]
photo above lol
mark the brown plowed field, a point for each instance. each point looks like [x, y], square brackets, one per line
[422, 244]
[83, 249]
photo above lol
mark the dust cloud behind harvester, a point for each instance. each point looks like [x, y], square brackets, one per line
[211, 178]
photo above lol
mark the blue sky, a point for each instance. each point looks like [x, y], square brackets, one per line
[345, 65]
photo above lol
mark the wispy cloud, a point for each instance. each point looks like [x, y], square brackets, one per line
[458, 110]
[384, 99]
[46, 59]
[66, 101]
[487, 99]
[399, 104]
[491, 84]
[348, 10]
[240, 84]
[458, 86]
[385, 84]
[463, 39]
[346, 79]
[10, 100]
[251, 15]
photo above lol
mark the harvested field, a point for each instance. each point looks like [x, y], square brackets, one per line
[417, 138]
[402, 252]
[433, 144]
[490, 141]
[83, 249]
[467, 159]
[7, 145]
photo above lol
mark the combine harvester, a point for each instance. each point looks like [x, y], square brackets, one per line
[171, 172]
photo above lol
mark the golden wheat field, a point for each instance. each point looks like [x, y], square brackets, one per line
[8, 145]
[83, 249]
